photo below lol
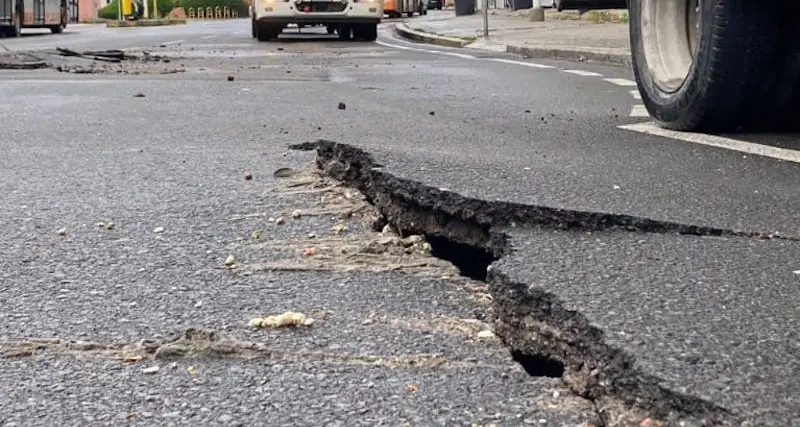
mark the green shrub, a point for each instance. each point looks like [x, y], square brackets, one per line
[111, 10]
[238, 5]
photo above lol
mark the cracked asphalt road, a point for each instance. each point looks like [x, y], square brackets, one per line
[83, 149]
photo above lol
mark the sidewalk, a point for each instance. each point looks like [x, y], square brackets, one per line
[600, 36]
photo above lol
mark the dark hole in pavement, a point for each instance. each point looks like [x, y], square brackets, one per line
[538, 365]
[471, 262]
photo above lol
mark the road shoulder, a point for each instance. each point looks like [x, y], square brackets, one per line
[558, 38]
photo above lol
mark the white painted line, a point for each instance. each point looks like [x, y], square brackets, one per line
[622, 82]
[208, 37]
[522, 63]
[583, 73]
[717, 141]
[458, 55]
[415, 49]
[635, 94]
[173, 42]
[639, 110]
[400, 47]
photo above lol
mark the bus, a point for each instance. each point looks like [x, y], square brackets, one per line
[18, 14]
[398, 8]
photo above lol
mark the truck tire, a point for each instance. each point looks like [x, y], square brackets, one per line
[369, 32]
[58, 29]
[345, 32]
[703, 65]
[265, 33]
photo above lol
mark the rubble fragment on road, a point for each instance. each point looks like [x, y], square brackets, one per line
[289, 318]
[113, 61]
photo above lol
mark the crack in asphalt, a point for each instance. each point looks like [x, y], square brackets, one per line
[540, 332]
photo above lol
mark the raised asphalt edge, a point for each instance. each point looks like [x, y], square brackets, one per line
[405, 32]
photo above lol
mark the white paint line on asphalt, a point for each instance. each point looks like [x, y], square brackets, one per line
[416, 49]
[639, 111]
[622, 82]
[213, 36]
[635, 94]
[583, 73]
[173, 42]
[402, 47]
[458, 55]
[651, 128]
[523, 63]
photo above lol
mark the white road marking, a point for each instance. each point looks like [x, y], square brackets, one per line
[458, 55]
[402, 47]
[622, 82]
[583, 73]
[523, 63]
[639, 110]
[717, 141]
[173, 42]
[635, 94]
[209, 37]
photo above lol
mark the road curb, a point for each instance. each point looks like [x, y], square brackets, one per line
[145, 23]
[405, 32]
[612, 58]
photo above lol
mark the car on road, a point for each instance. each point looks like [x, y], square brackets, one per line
[434, 4]
[351, 19]
[398, 8]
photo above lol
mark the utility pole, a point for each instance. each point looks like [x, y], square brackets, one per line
[486, 19]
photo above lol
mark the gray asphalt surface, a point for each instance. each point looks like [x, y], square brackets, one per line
[714, 318]
[80, 149]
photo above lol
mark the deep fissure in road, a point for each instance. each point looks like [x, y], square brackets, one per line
[471, 262]
[537, 365]
[544, 336]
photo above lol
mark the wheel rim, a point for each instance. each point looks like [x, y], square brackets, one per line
[671, 39]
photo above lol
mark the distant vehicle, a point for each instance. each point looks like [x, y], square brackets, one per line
[350, 19]
[398, 8]
[18, 14]
[435, 4]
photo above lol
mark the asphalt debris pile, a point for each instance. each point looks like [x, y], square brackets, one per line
[115, 62]
[21, 61]
[358, 239]
[112, 61]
